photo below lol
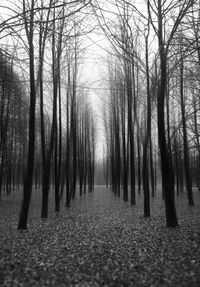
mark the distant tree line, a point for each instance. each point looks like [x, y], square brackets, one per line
[13, 126]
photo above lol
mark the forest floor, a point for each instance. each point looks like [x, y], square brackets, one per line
[100, 241]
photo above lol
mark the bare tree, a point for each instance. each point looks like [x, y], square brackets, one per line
[164, 41]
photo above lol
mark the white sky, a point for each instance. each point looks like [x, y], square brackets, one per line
[93, 77]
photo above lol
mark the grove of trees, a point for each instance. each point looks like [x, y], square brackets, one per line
[47, 127]
[152, 118]
[151, 110]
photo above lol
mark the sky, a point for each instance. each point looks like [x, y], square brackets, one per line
[93, 77]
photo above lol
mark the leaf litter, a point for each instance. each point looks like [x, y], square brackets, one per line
[100, 241]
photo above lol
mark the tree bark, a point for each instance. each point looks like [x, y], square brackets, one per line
[185, 142]
[22, 223]
[171, 217]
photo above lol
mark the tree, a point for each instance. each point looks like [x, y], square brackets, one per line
[164, 41]
[147, 137]
[29, 27]
[185, 140]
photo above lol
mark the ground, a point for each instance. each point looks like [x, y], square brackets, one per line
[100, 241]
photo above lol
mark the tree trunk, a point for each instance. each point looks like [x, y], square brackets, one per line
[22, 224]
[171, 218]
[167, 183]
[145, 169]
[139, 162]
[185, 143]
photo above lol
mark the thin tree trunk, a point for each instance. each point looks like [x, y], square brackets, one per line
[145, 169]
[139, 162]
[185, 143]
